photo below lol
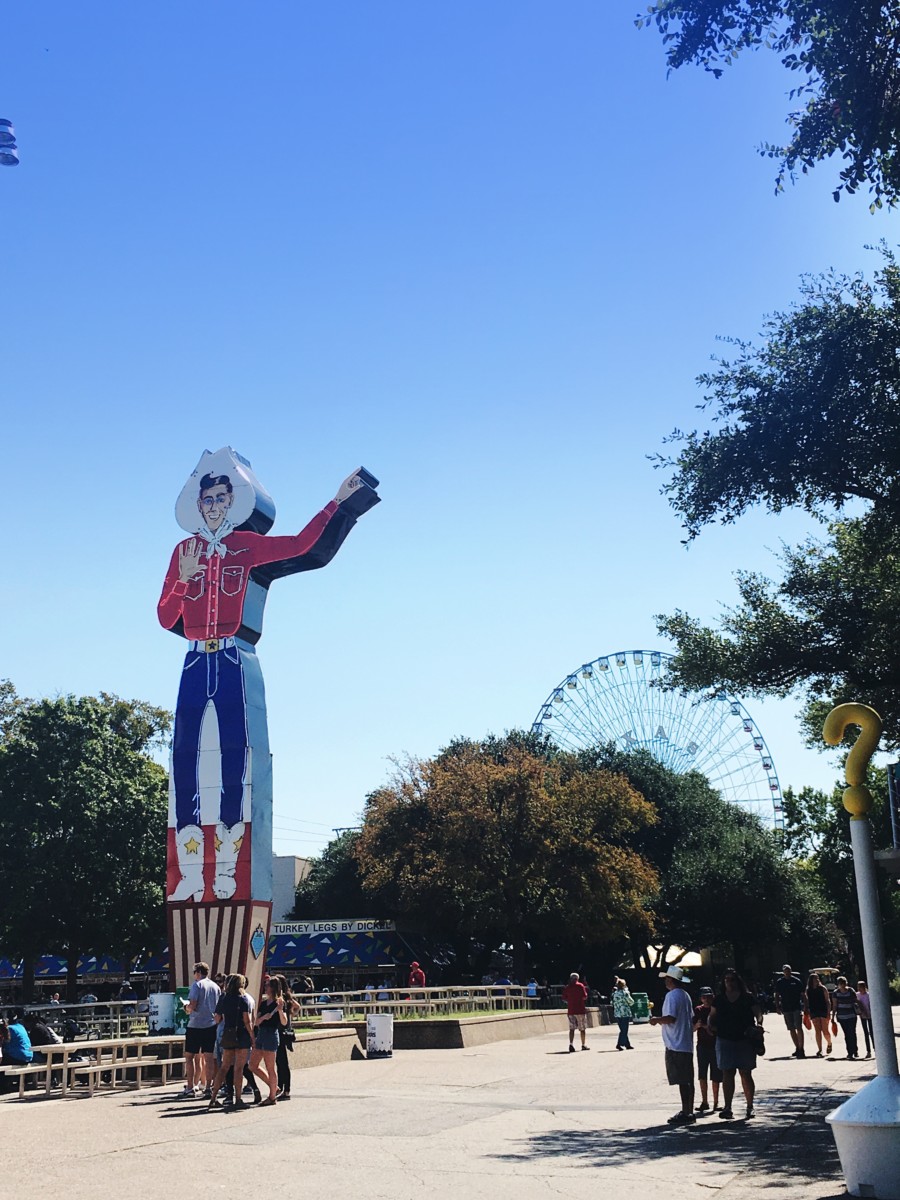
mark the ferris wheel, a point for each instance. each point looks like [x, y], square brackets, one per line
[621, 698]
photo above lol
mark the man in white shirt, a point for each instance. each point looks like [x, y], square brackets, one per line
[677, 1020]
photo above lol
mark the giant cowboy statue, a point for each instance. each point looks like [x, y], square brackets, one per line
[219, 860]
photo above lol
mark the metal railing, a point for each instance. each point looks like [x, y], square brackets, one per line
[425, 1001]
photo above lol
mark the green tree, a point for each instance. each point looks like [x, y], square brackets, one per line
[828, 630]
[807, 418]
[845, 58]
[722, 876]
[817, 837]
[333, 887]
[495, 840]
[83, 806]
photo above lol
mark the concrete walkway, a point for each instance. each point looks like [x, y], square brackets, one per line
[517, 1120]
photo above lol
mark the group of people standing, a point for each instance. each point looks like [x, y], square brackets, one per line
[729, 1032]
[230, 1039]
[814, 1008]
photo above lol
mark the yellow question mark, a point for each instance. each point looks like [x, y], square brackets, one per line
[857, 797]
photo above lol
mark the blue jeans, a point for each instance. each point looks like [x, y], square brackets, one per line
[216, 678]
[623, 1023]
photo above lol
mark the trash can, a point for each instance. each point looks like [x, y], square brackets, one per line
[332, 1016]
[640, 1014]
[380, 1035]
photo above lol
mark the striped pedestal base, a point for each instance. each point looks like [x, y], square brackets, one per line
[230, 935]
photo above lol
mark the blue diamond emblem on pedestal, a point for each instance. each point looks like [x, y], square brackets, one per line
[258, 941]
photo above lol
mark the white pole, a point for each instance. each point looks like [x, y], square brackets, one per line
[873, 946]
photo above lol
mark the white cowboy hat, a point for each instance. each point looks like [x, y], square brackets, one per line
[676, 973]
[252, 506]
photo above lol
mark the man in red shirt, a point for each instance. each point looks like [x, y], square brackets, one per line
[575, 995]
[214, 595]
[416, 975]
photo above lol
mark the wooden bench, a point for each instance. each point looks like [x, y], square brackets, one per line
[106, 1056]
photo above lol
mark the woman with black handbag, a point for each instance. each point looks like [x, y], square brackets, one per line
[736, 1020]
[233, 1011]
[286, 1041]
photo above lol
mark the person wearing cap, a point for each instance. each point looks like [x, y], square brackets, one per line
[789, 1002]
[677, 1021]
[707, 1066]
[416, 978]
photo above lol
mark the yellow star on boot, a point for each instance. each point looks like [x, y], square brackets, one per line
[191, 846]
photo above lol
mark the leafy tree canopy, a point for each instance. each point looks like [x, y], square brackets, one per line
[808, 417]
[497, 840]
[333, 887]
[723, 878]
[845, 58]
[83, 807]
[829, 630]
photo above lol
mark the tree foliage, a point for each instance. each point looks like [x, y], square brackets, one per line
[333, 887]
[82, 861]
[809, 417]
[722, 876]
[498, 840]
[817, 837]
[845, 59]
[829, 630]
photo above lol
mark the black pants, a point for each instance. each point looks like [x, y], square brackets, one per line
[866, 1023]
[848, 1025]
[283, 1067]
[248, 1076]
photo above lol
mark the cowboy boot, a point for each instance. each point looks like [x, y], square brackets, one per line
[189, 845]
[228, 846]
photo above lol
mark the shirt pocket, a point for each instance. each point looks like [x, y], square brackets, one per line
[232, 580]
[196, 586]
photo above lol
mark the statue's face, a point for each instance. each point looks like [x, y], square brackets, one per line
[214, 504]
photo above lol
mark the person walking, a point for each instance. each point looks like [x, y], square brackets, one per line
[844, 1009]
[789, 1002]
[707, 1063]
[270, 1018]
[735, 1014]
[818, 1006]
[575, 995]
[233, 1011]
[623, 1003]
[864, 1000]
[677, 1020]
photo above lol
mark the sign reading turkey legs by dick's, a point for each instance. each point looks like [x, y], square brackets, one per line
[219, 857]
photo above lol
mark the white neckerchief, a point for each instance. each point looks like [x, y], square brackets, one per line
[215, 539]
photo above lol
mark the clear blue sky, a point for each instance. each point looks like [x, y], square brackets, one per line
[483, 249]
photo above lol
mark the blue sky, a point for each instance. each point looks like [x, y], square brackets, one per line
[483, 249]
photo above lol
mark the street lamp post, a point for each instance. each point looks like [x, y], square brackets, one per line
[9, 151]
[866, 1127]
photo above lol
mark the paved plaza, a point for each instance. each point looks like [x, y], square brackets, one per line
[521, 1119]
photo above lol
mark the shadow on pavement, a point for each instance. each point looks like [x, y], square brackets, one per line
[787, 1143]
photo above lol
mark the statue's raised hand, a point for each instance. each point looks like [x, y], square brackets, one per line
[189, 559]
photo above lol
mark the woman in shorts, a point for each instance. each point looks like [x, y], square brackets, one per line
[818, 1005]
[233, 1011]
[734, 1014]
[270, 1018]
